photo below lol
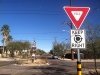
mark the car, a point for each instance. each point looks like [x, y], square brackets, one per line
[54, 57]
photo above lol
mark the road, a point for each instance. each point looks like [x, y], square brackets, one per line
[56, 67]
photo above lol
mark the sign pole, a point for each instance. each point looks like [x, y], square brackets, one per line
[77, 16]
[78, 55]
[79, 68]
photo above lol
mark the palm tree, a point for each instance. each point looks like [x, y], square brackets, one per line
[5, 33]
[9, 39]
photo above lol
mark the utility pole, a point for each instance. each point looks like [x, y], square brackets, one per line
[72, 51]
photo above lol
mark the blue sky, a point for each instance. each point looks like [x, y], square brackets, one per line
[42, 20]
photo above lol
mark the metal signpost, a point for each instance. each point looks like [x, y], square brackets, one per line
[78, 42]
[77, 15]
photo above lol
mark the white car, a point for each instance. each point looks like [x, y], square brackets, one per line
[55, 57]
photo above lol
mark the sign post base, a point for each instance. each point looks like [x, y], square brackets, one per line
[79, 67]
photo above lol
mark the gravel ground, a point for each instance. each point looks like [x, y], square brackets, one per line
[55, 67]
[31, 70]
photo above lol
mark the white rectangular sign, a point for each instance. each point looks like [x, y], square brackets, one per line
[78, 39]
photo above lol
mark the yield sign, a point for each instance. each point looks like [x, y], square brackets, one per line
[77, 15]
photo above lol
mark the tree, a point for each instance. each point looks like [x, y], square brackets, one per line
[9, 39]
[12, 46]
[5, 30]
[51, 52]
[93, 41]
[40, 52]
[18, 46]
[5, 33]
[58, 49]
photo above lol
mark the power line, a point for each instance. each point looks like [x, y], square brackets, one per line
[31, 10]
[37, 39]
[40, 33]
[40, 12]
[35, 13]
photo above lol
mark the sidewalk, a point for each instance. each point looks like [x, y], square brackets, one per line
[82, 60]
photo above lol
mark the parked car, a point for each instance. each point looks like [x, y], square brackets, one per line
[54, 57]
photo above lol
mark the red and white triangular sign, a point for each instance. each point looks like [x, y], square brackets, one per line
[77, 15]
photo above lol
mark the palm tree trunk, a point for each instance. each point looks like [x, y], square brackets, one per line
[3, 48]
